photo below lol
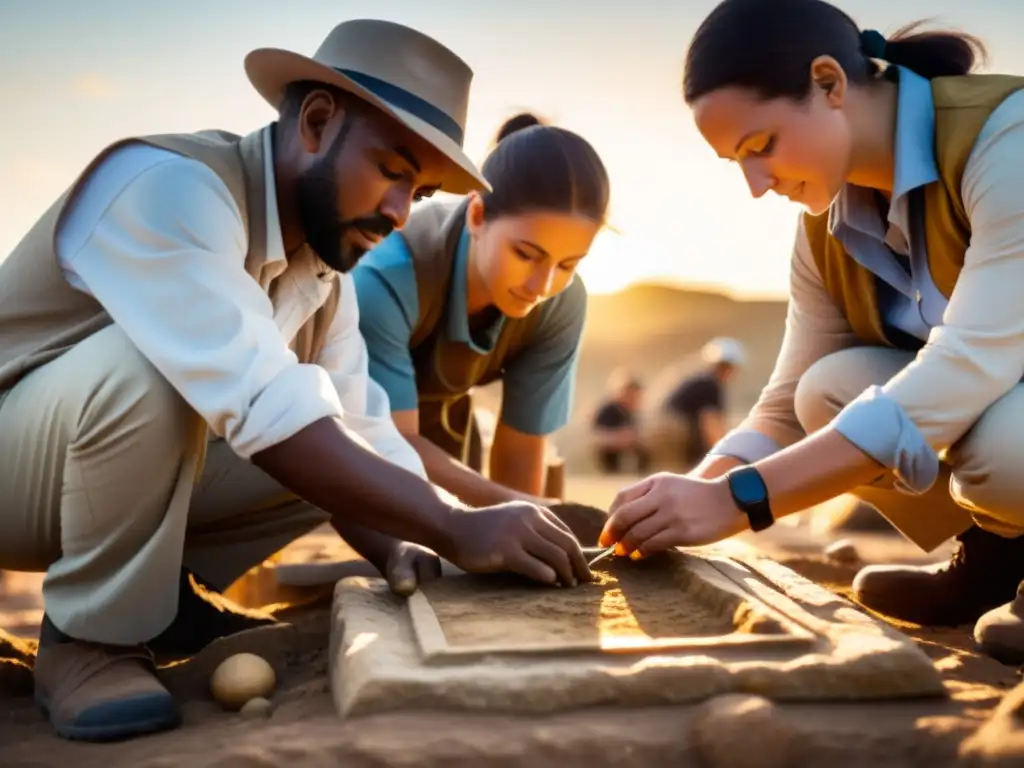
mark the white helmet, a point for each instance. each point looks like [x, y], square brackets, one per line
[724, 350]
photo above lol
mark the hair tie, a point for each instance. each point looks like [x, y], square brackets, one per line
[873, 44]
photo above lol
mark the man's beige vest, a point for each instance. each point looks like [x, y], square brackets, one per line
[962, 105]
[42, 316]
[446, 370]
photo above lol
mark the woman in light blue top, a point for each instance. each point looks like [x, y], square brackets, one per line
[485, 289]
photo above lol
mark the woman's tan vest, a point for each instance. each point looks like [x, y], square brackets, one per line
[42, 316]
[962, 105]
[446, 370]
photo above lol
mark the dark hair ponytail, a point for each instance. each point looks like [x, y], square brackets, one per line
[517, 123]
[931, 53]
[538, 167]
[768, 46]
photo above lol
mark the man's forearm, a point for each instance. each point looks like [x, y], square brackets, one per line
[457, 478]
[375, 547]
[325, 467]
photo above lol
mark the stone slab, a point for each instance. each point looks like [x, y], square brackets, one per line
[388, 654]
[659, 605]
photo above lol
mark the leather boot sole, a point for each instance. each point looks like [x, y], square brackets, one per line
[119, 720]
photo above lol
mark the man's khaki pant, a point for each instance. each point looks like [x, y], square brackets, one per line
[98, 487]
[982, 475]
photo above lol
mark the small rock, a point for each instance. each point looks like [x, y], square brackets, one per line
[740, 730]
[240, 678]
[255, 709]
[842, 551]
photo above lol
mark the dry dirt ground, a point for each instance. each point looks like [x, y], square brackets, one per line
[965, 729]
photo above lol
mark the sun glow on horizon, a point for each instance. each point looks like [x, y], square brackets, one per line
[680, 214]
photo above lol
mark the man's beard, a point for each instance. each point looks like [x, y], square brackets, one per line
[325, 230]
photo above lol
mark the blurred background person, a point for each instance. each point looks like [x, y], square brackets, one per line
[615, 426]
[692, 417]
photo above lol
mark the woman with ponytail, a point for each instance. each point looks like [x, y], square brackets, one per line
[485, 289]
[899, 375]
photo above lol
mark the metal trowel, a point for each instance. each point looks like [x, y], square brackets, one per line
[602, 555]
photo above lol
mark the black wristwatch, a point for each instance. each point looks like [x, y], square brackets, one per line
[751, 495]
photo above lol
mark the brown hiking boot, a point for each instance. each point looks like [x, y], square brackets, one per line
[983, 573]
[95, 692]
[204, 615]
[1000, 632]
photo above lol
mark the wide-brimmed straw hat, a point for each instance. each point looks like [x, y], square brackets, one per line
[402, 72]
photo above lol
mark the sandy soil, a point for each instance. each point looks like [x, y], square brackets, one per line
[625, 600]
[303, 730]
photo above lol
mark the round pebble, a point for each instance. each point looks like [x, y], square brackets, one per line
[240, 678]
[255, 709]
[740, 730]
[842, 551]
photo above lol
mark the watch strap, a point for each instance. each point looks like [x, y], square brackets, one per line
[750, 493]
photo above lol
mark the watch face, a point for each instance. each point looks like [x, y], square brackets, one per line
[748, 487]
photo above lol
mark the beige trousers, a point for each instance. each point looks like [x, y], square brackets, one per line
[98, 487]
[982, 475]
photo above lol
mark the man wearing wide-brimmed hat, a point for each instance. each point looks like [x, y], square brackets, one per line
[183, 387]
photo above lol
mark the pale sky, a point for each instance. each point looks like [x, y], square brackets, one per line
[78, 75]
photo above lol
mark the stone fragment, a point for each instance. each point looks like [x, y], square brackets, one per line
[743, 731]
[842, 551]
[255, 709]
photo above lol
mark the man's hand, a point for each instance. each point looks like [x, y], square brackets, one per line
[410, 565]
[516, 537]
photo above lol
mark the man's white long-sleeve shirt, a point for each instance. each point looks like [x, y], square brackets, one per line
[158, 240]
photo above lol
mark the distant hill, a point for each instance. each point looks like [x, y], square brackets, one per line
[656, 331]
